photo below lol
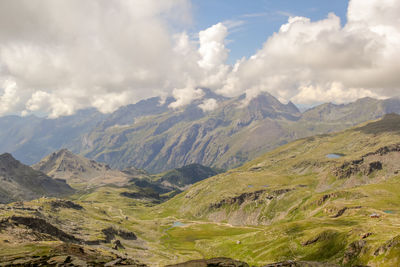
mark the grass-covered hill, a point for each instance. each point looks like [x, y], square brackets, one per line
[329, 198]
[303, 203]
[181, 178]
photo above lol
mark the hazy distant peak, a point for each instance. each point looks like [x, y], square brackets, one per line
[8, 161]
[6, 156]
[78, 169]
[292, 107]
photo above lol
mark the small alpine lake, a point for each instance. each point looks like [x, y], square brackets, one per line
[334, 155]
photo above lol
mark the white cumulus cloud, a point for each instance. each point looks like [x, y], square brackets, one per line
[61, 56]
[9, 99]
[90, 53]
[209, 104]
[316, 61]
[186, 95]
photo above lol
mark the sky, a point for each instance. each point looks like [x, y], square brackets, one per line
[258, 19]
[57, 57]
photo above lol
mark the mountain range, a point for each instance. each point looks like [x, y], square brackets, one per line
[85, 174]
[149, 135]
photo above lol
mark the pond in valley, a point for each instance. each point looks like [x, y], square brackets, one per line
[334, 156]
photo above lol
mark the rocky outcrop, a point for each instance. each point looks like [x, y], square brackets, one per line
[325, 198]
[249, 196]
[117, 245]
[215, 262]
[385, 150]
[355, 167]
[226, 262]
[111, 232]
[40, 226]
[394, 242]
[363, 166]
[353, 251]
[68, 254]
[239, 200]
[325, 235]
[342, 210]
[66, 204]
[300, 264]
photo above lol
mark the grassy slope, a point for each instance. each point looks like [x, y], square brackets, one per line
[296, 217]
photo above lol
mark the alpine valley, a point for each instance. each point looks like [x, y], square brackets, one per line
[244, 184]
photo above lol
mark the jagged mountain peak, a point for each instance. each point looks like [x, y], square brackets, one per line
[208, 93]
[8, 162]
[78, 169]
[64, 152]
[6, 157]
[292, 107]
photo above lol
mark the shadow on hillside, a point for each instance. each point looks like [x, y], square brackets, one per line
[389, 123]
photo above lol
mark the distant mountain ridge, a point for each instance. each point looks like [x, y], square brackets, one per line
[149, 135]
[20, 182]
[79, 171]
[76, 169]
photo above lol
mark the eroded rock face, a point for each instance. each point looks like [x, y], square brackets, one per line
[249, 196]
[69, 254]
[394, 242]
[226, 262]
[342, 210]
[353, 250]
[117, 245]
[365, 166]
[60, 203]
[39, 227]
[300, 264]
[323, 236]
[325, 198]
[110, 234]
[357, 166]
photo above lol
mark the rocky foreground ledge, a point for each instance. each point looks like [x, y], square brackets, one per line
[226, 262]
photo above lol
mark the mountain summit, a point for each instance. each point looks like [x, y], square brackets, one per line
[76, 169]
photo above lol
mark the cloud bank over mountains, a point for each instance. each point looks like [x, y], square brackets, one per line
[60, 56]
